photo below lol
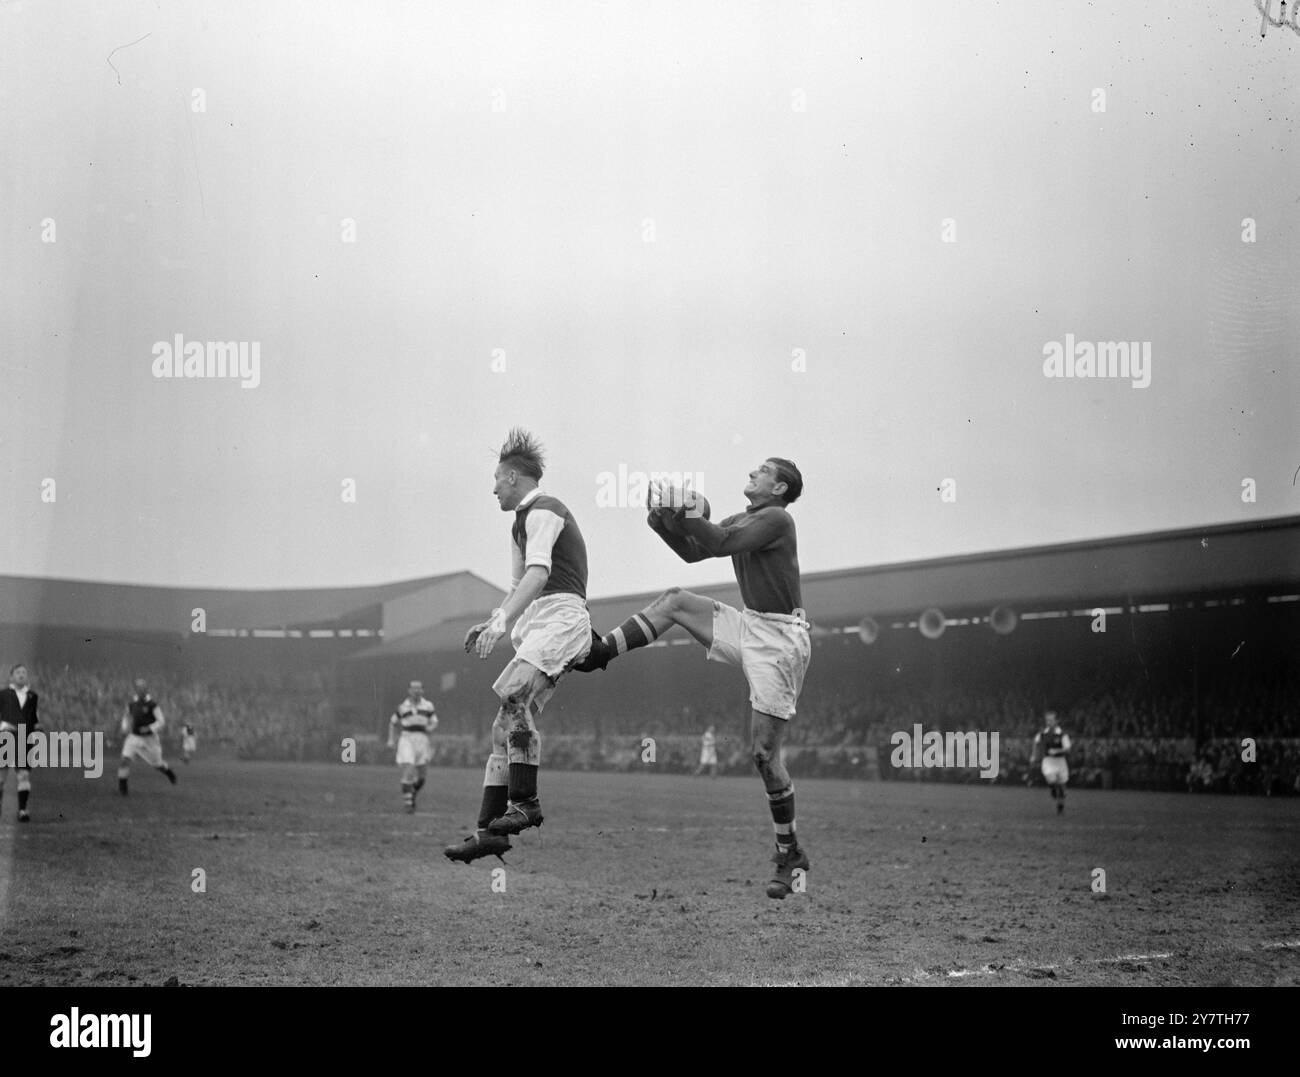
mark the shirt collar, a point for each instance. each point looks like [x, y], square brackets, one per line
[529, 498]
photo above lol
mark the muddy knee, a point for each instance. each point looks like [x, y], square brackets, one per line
[500, 728]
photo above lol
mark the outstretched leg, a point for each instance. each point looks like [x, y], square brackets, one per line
[674, 607]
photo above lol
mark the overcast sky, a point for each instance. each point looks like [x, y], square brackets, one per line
[676, 237]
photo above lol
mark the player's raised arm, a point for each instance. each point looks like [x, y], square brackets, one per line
[745, 534]
[683, 546]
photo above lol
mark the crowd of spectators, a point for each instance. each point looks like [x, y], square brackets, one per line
[282, 716]
[1128, 729]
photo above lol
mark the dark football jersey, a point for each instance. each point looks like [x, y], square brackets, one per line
[1053, 741]
[566, 558]
[142, 715]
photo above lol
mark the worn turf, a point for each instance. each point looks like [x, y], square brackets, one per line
[314, 875]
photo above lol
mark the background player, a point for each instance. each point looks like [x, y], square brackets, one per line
[547, 604]
[141, 724]
[189, 742]
[1053, 744]
[708, 753]
[18, 705]
[408, 732]
[769, 640]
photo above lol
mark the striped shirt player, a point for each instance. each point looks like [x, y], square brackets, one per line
[18, 708]
[142, 721]
[768, 640]
[409, 731]
[545, 612]
[1054, 745]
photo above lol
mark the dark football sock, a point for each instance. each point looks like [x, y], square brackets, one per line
[523, 782]
[23, 794]
[495, 802]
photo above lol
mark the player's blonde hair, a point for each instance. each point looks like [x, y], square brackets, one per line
[523, 452]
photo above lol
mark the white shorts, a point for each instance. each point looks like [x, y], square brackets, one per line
[189, 744]
[552, 633]
[773, 649]
[1056, 771]
[414, 750]
[147, 749]
[709, 757]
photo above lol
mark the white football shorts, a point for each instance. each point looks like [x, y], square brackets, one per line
[552, 633]
[414, 749]
[773, 650]
[147, 749]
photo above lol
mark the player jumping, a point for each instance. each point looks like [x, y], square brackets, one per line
[547, 605]
[141, 723]
[408, 732]
[769, 640]
[1053, 744]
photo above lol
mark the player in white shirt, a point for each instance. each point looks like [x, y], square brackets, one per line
[189, 742]
[709, 753]
[408, 732]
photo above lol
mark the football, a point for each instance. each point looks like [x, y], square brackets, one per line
[672, 517]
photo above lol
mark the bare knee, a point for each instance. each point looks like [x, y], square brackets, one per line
[670, 600]
[762, 755]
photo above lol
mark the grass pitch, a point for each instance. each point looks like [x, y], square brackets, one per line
[315, 876]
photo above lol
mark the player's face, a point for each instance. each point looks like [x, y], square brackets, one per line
[762, 482]
[19, 676]
[141, 688]
[505, 488]
[416, 691]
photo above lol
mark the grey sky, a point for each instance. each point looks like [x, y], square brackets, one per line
[501, 162]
